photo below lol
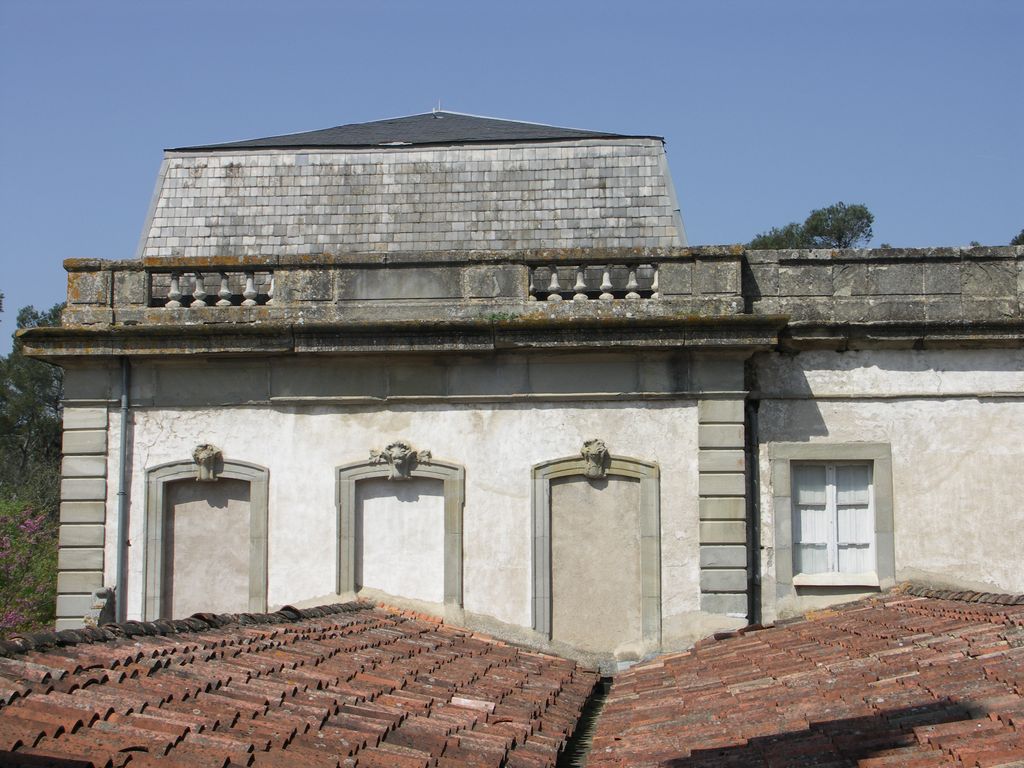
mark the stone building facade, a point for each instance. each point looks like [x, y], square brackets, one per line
[470, 366]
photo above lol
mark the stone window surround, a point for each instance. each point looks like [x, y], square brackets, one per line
[650, 537]
[454, 478]
[157, 479]
[879, 455]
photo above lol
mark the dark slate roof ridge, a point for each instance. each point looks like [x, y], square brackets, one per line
[416, 130]
[197, 622]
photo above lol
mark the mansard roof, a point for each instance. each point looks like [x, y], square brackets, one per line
[440, 181]
[430, 128]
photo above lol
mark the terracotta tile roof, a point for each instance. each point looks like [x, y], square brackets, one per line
[349, 685]
[918, 678]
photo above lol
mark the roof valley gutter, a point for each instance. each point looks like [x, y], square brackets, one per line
[120, 591]
[577, 748]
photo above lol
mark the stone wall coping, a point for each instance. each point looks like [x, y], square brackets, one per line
[555, 255]
[543, 256]
[818, 299]
[923, 255]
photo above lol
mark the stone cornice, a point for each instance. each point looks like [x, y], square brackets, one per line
[720, 297]
[460, 335]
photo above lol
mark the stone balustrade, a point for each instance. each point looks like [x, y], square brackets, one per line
[605, 282]
[824, 298]
[227, 287]
[705, 280]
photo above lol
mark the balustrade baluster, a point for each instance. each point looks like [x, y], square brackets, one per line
[581, 285]
[249, 294]
[654, 284]
[270, 290]
[174, 292]
[632, 285]
[606, 285]
[199, 292]
[225, 292]
[554, 289]
[532, 289]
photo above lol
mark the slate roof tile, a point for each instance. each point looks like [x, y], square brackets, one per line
[437, 127]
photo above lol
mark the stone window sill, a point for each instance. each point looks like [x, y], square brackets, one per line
[835, 580]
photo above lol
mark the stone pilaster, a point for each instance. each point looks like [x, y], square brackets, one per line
[722, 491]
[83, 494]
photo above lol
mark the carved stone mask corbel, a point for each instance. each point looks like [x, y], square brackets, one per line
[206, 457]
[401, 459]
[595, 454]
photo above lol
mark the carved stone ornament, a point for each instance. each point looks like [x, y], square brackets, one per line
[400, 458]
[206, 457]
[595, 453]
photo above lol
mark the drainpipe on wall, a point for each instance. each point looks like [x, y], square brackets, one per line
[120, 592]
[753, 513]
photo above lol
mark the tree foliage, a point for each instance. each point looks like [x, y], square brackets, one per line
[1019, 239]
[776, 238]
[835, 226]
[30, 432]
[30, 395]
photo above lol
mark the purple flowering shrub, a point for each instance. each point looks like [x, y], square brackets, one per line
[28, 568]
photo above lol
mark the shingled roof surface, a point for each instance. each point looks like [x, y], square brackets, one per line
[434, 128]
[349, 685]
[908, 680]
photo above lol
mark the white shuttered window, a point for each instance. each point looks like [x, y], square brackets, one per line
[833, 518]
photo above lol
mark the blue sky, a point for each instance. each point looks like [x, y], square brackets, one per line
[769, 109]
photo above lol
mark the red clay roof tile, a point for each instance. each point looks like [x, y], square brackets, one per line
[903, 679]
[346, 685]
[899, 680]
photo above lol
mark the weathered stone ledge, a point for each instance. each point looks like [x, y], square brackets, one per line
[542, 330]
[902, 335]
[376, 259]
[830, 298]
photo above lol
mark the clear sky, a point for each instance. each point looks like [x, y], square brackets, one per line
[769, 109]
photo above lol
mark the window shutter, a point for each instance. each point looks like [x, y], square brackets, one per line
[833, 519]
[811, 518]
[856, 525]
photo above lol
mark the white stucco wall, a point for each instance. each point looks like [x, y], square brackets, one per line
[497, 445]
[954, 420]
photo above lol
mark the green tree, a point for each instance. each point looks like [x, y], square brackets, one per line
[1019, 239]
[776, 238]
[839, 226]
[835, 226]
[30, 432]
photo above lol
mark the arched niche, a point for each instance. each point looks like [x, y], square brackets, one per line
[453, 478]
[160, 484]
[648, 522]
